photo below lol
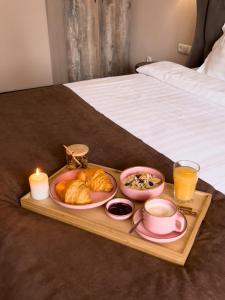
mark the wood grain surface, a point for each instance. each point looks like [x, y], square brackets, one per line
[97, 37]
[96, 221]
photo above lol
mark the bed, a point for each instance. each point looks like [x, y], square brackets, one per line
[44, 259]
[176, 110]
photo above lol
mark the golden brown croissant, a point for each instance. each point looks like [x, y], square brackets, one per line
[96, 179]
[73, 192]
[86, 175]
[62, 186]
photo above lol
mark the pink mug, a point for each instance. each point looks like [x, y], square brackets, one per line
[161, 216]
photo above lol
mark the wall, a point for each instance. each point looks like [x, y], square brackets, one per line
[24, 47]
[56, 29]
[158, 26]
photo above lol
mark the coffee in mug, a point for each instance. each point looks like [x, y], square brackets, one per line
[161, 216]
[160, 210]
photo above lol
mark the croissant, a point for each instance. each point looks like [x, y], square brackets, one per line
[96, 179]
[74, 192]
[62, 186]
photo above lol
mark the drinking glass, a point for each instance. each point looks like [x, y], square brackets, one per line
[185, 175]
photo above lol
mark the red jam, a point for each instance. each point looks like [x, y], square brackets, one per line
[120, 209]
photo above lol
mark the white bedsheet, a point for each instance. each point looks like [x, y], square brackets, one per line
[177, 111]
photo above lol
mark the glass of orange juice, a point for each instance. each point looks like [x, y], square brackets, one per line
[185, 175]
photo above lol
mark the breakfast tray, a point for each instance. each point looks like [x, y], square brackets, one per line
[96, 221]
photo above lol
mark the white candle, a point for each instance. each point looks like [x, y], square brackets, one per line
[39, 186]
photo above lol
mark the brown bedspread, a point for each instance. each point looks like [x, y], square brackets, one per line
[44, 259]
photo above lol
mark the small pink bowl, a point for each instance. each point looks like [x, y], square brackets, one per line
[141, 195]
[119, 217]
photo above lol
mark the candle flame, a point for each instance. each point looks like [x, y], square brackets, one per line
[37, 171]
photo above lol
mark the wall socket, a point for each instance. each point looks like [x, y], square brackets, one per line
[148, 59]
[184, 49]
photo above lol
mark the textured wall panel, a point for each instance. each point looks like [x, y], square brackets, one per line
[114, 28]
[97, 35]
[82, 36]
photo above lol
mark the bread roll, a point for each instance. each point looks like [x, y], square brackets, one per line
[73, 192]
[61, 188]
[96, 179]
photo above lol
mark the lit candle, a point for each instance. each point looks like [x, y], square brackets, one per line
[39, 186]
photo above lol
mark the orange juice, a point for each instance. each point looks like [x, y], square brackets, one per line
[185, 179]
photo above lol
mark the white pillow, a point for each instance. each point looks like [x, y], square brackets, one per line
[214, 64]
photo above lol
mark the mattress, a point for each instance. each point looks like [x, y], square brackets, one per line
[176, 110]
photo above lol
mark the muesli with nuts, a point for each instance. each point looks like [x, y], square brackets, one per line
[142, 181]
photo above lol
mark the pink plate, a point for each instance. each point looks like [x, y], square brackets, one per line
[98, 198]
[157, 238]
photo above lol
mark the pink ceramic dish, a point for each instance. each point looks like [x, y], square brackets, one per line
[125, 215]
[157, 238]
[161, 216]
[141, 195]
[98, 198]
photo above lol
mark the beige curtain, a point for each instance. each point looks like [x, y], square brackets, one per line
[97, 36]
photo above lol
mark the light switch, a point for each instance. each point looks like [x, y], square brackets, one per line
[184, 48]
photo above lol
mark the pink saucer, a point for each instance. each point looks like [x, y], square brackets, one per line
[157, 238]
[98, 198]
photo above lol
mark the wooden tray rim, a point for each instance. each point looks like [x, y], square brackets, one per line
[126, 239]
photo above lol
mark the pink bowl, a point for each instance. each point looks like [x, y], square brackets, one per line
[141, 195]
[119, 200]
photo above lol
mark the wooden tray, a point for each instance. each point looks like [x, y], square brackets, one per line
[96, 221]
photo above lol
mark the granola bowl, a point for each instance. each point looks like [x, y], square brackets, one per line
[141, 183]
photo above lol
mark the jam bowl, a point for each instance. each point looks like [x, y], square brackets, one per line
[119, 208]
[150, 175]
